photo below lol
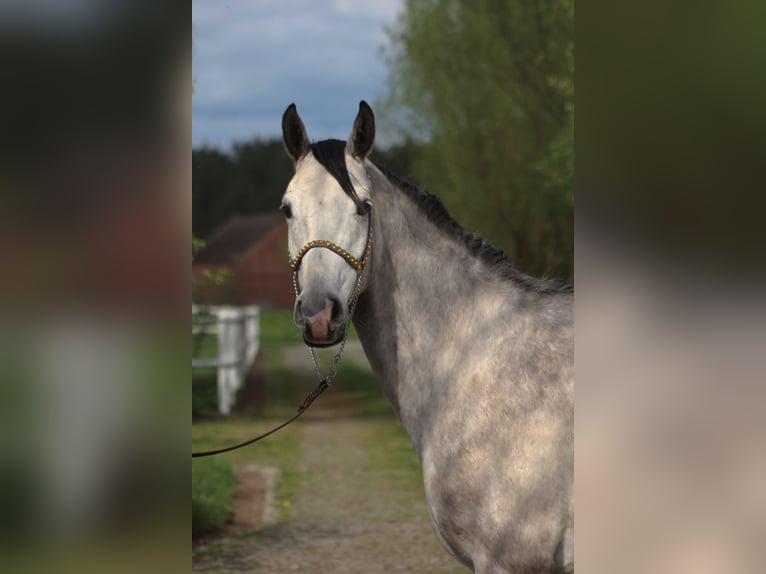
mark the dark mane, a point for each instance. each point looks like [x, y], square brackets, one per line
[331, 154]
[433, 208]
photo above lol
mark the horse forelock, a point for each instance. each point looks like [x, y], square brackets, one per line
[331, 154]
[434, 211]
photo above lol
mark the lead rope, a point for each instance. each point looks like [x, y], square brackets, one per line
[325, 382]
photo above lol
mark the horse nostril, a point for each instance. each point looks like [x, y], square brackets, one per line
[298, 315]
[337, 310]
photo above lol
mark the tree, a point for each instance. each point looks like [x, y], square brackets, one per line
[211, 172]
[400, 158]
[489, 85]
[250, 180]
[262, 170]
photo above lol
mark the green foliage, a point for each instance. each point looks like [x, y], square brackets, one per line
[217, 276]
[197, 244]
[489, 85]
[220, 281]
[213, 484]
[400, 158]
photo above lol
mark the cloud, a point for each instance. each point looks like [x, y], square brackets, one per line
[253, 58]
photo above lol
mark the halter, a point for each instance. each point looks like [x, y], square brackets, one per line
[357, 264]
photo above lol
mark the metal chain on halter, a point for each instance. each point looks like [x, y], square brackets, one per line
[332, 371]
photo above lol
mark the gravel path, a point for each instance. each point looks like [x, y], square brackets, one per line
[347, 518]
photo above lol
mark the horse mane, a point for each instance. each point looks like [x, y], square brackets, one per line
[433, 209]
[331, 154]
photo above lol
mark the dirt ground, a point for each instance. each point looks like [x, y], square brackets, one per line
[347, 518]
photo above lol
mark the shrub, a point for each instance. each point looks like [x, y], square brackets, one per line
[213, 484]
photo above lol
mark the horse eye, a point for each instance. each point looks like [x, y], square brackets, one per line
[287, 210]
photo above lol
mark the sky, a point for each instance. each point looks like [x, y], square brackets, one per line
[252, 58]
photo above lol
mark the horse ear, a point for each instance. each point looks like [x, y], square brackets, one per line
[294, 134]
[363, 133]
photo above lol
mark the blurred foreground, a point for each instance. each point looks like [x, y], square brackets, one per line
[671, 299]
[94, 244]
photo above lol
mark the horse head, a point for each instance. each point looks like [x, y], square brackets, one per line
[328, 206]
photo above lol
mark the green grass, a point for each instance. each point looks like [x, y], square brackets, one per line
[278, 328]
[213, 484]
[280, 450]
[393, 466]
[204, 345]
[398, 452]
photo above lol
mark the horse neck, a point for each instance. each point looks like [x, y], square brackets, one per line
[425, 298]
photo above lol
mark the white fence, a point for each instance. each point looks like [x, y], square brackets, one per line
[238, 330]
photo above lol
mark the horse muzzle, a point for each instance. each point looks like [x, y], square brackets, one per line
[322, 319]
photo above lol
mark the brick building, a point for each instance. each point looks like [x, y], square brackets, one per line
[252, 249]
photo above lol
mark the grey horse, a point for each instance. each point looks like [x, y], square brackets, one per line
[475, 357]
